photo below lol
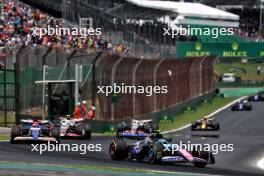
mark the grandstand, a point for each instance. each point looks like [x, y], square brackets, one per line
[138, 24]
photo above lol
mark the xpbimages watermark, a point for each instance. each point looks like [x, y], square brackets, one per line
[127, 89]
[214, 32]
[51, 147]
[64, 31]
[214, 148]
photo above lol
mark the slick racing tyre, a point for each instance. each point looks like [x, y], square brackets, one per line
[217, 126]
[118, 150]
[56, 134]
[249, 108]
[121, 127]
[150, 128]
[85, 131]
[15, 132]
[203, 155]
[154, 154]
[193, 127]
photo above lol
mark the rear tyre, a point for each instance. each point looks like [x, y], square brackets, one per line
[84, 130]
[120, 127]
[56, 134]
[193, 127]
[150, 128]
[118, 150]
[88, 130]
[15, 132]
[217, 126]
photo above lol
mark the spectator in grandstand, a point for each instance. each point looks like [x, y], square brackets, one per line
[18, 22]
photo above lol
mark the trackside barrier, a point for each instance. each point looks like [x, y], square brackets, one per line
[164, 116]
[240, 84]
[185, 80]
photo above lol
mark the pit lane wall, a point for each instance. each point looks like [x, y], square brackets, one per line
[185, 79]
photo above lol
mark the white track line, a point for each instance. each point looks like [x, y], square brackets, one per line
[210, 115]
[260, 163]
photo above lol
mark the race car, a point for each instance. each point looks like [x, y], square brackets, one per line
[78, 128]
[35, 130]
[205, 124]
[257, 97]
[136, 128]
[242, 105]
[156, 149]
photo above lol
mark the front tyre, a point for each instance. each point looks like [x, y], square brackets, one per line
[56, 134]
[203, 155]
[154, 154]
[118, 150]
[15, 132]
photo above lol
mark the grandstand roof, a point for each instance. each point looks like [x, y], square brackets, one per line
[232, 2]
[186, 9]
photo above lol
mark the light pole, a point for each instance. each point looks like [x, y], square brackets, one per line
[260, 14]
[44, 91]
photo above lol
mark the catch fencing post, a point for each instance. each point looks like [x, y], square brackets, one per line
[155, 83]
[134, 84]
[112, 81]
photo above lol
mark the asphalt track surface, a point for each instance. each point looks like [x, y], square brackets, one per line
[243, 129]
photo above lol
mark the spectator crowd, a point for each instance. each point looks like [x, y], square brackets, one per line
[18, 22]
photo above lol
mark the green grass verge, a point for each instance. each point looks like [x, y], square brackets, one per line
[88, 169]
[10, 119]
[4, 137]
[202, 110]
[113, 169]
[251, 70]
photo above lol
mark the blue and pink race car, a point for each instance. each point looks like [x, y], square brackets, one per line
[154, 149]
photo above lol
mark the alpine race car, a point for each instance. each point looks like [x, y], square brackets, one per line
[242, 105]
[257, 97]
[205, 124]
[136, 128]
[78, 128]
[35, 130]
[156, 149]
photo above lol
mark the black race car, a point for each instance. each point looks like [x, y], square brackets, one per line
[35, 130]
[155, 149]
[257, 97]
[205, 124]
[136, 128]
[242, 105]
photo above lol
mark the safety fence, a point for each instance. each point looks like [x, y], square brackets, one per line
[240, 84]
[59, 64]
[184, 79]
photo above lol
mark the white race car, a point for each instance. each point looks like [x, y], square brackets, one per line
[70, 127]
[136, 128]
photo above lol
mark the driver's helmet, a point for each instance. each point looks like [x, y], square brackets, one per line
[205, 118]
[35, 122]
